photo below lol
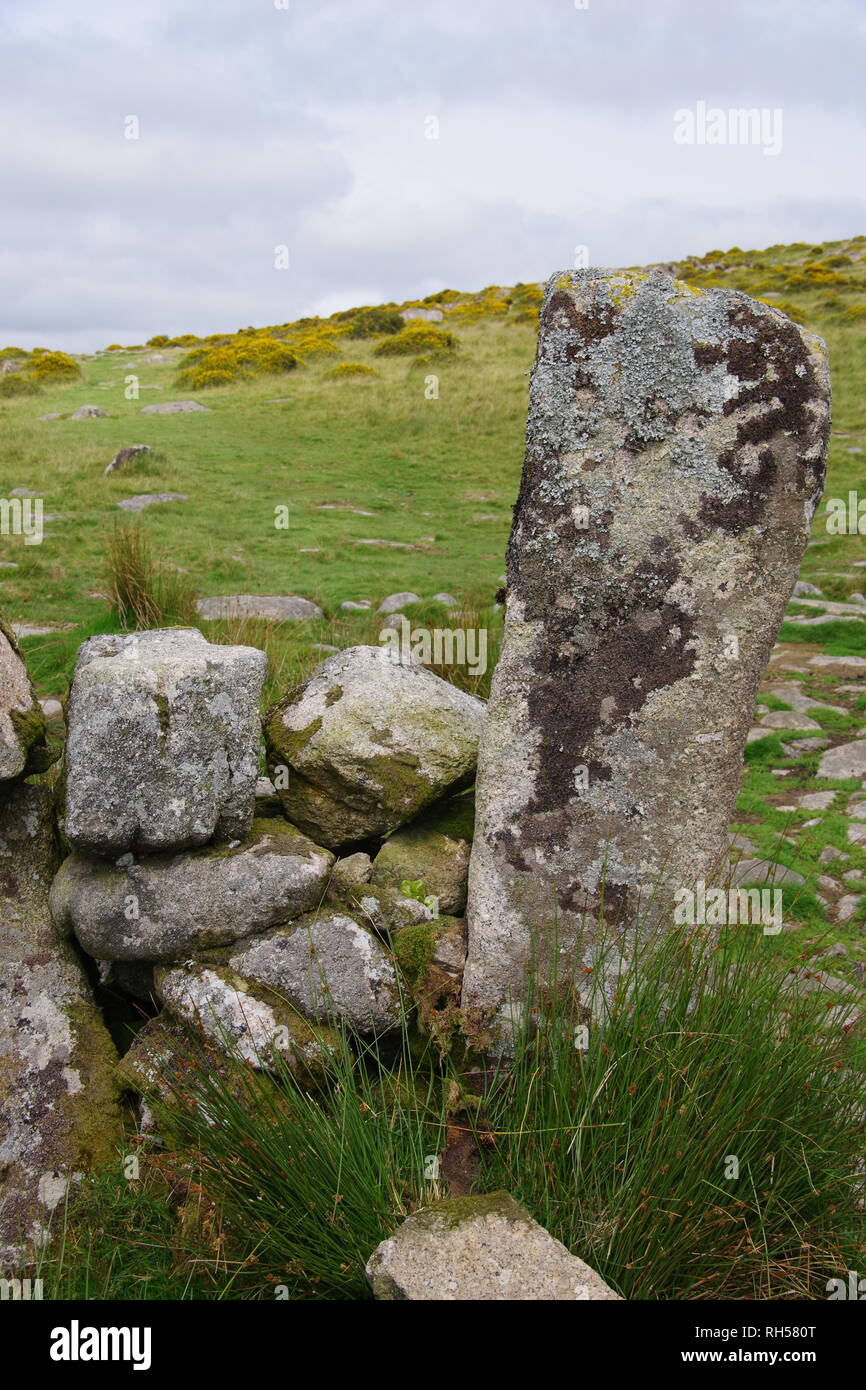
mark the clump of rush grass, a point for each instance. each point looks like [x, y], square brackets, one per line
[684, 1122]
[696, 1135]
[313, 1179]
[144, 591]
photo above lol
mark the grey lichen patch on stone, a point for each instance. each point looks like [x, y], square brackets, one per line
[484, 1248]
[58, 1096]
[164, 906]
[163, 742]
[675, 456]
[249, 1023]
[368, 743]
[330, 967]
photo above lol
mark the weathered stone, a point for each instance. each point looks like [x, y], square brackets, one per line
[368, 743]
[125, 456]
[89, 412]
[163, 741]
[435, 849]
[395, 601]
[386, 910]
[150, 499]
[483, 1249]
[279, 608]
[845, 760]
[763, 871]
[165, 906]
[58, 1101]
[247, 1022]
[348, 873]
[175, 408]
[22, 722]
[788, 719]
[329, 967]
[676, 448]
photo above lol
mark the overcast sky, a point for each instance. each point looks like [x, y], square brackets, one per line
[307, 124]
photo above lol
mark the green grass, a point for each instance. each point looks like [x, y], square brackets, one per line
[439, 475]
[615, 1122]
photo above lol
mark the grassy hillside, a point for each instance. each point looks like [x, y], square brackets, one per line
[421, 453]
[378, 455]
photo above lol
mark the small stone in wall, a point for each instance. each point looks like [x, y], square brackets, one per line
[369, 743]
[163, 742]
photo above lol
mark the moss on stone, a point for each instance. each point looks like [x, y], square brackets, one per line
[414, 949]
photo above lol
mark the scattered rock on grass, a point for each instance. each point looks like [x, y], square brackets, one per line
[175, 408]
[479, 1249]
[395, 601]
[150, 499]
[125, 456]
[281, 608]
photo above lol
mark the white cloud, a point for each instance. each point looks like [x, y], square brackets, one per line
[261, 126]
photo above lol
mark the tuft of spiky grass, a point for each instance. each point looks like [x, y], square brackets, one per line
[144, 591]
[313, 1180]
[696, 1132]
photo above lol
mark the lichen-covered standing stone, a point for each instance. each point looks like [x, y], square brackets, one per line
[58, 1099]
[675, 455]
[366, 743]
[163, 742]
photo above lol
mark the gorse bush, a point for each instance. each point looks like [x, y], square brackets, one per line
[52, 366]
[241, 358]
[351, 369]
[417, 338]
[18, 384]
[368, 323]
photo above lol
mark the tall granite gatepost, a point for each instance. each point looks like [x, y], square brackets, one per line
[675, 455]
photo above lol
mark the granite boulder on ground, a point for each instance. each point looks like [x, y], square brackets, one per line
[280, 608]
[480, 1249]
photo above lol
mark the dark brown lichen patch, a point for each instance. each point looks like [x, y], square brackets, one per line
[708, 354]
[642, 647]
[590, 328]
[778, 377]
